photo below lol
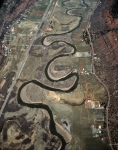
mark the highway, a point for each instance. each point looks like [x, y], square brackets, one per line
[27, 54]
[93, 69]
[25, 57]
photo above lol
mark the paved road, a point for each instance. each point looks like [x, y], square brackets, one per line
[93, 69]
[25, 57]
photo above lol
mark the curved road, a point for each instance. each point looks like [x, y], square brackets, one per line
[108, 103]
[26, 56]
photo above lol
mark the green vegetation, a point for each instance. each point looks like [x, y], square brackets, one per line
[95, 144]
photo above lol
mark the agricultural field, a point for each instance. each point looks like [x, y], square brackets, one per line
[57, 98]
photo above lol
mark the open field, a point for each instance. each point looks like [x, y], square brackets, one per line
[57, 97]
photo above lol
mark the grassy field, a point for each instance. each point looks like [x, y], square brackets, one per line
[64, 106]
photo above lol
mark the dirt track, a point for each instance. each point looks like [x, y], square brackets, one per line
[104, 33]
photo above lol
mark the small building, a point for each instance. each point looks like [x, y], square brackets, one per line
[92, 104]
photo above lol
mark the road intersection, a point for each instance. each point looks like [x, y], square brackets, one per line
[94, 72]
[20, 68]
